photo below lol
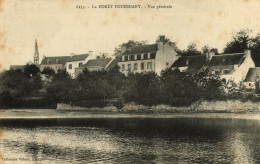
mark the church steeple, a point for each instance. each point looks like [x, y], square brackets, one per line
[36, 53]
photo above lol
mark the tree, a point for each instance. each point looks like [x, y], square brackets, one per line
[209, 84]
[61, 88]
[130, 43]
[215, 50]
[191, 50]
[243, 40]
[48, 71]
[16, 82]
[240, 41]
[31, 70]
[256, 50]
[142, 88]
[178, 88]
[205, 49]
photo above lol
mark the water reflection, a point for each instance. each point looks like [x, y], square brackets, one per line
[132, 140]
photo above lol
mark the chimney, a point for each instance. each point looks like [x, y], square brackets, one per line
[105, 55]
[247, 53]
[90, 53]
[160, 38]
[210, 54]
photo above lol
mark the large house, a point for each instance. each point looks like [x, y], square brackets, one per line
[56, 63]
[232, 67]
[76, 61]
[97, 65]
[154, 57]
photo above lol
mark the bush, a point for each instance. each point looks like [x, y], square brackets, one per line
[118, 104]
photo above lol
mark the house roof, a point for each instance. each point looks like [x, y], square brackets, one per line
[61, 60]
[17, 67]
[227, 59]
[112, 64]
[252, 73]
[141, 49]
[78, 57]
[102, 62]
[195, 63]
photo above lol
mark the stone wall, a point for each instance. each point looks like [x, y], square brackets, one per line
[234, 106]
[230, 106]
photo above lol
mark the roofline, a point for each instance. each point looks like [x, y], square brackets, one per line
[55, 56]
[241, 53]
[109, 63]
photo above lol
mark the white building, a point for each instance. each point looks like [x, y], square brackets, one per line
[97, 65]
[77, 61]
[232, 67]
[154, 57]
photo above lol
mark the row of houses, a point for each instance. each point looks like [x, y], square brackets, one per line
[236, 67]
[76, 63]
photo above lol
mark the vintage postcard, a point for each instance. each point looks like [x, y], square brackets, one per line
[129, 81]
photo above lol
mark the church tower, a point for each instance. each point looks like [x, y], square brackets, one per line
[36, 54]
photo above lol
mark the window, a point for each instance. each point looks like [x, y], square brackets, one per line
[167, 64]
[149, 65]
[57, 61]
[48, 61]
[187, 62]
[70, 66]
[153, 55]
[225, 71]
[135, 66]
[129, 67]
[145, 56]
[126, 58]
[123, 67]
[80, 64]
[139, 57]
[132, 57]
[142, 66]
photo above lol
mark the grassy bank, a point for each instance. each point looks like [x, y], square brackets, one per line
[230, 106]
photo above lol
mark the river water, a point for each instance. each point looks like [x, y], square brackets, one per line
[130, 140]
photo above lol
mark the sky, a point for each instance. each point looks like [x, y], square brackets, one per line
[61, 28]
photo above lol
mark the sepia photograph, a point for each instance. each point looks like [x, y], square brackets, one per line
[129, 81]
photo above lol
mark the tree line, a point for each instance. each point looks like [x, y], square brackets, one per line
[99, 88]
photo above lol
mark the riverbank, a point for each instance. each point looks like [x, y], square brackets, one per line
[229, 106]
[54, 114]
